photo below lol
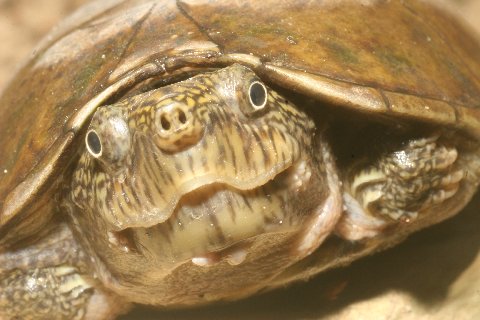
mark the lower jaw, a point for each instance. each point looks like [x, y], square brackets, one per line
[216, 276]
[190, 264]
[218, 222]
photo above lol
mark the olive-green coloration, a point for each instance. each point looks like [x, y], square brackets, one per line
[178, 153]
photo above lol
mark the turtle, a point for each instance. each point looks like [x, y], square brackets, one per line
[179, 153]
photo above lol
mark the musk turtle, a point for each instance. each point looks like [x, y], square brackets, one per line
[177, 153]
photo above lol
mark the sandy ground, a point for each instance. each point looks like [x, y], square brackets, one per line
[433, 275]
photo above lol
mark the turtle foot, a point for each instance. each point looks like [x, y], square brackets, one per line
[400, 186]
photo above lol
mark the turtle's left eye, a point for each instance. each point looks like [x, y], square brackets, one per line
[257, 93]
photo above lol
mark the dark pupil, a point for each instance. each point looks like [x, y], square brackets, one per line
[257, 94]
[94, 142]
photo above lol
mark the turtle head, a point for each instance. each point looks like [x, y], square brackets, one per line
[189, 170]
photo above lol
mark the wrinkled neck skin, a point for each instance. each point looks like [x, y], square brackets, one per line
[202, 190]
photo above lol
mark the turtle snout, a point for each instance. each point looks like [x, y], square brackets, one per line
[177, 127]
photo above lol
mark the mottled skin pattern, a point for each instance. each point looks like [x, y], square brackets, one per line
[32, 290]
[226, 173]
[127, 189]
[48, 293]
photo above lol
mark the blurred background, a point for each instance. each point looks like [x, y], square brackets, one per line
[435, 274]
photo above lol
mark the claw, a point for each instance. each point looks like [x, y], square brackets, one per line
[64, 271]
[440, 196]
[444, 158]
[424, 142]
[75, 284]
[452, 178]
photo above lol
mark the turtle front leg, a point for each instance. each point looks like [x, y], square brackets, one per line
[50, 280]
[398, 187]
[52, 293]
[46, 293]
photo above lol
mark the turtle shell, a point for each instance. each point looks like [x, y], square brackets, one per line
[395, 58]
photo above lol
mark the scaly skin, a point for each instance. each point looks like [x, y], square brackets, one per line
[49, 280]
[399, 186]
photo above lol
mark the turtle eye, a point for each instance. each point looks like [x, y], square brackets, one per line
[108, 138]
[94, 145]
[257, 93]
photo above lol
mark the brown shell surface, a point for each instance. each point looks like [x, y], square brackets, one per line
[401, 57]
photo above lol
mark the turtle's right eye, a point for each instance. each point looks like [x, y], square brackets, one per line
[94, 145]
[108, 139]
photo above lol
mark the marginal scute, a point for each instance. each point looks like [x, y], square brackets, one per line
[469, 120]
[362, 98]
[414, 107]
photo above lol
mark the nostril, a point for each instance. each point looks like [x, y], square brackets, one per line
[182, 117]
[176, 127]
[165, 123]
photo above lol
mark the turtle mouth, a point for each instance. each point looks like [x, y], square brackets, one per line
[215, 221]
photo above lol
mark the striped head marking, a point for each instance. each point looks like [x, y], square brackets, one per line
[194, 167]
